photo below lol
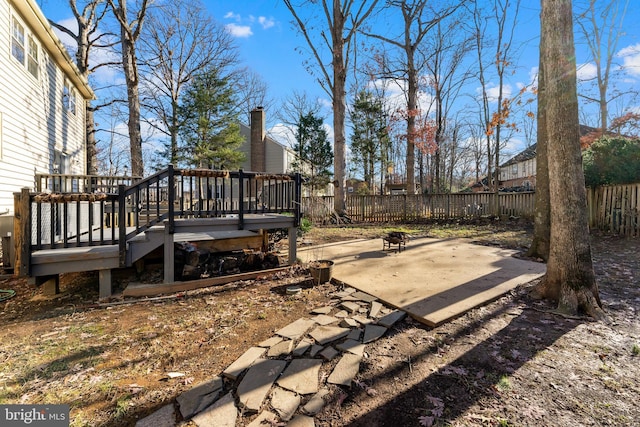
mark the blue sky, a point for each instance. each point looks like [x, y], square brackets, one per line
[267, 42]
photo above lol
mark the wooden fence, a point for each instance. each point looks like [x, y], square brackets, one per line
[383, 208]
[615, 209]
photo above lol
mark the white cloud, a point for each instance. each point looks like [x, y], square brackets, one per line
[587, 71]
[395, 94]
[493, 91]
[630, 59]
[266, 22]
[231, 15]
[243, 31]
[533, 76]
[284, 134]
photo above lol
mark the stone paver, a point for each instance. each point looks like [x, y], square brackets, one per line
[375, 309]
[199, 397]
[296, 329]
[283, 348]
[302, 347]
[257, 382]
[285, 402]
[223, 413]
[391, 318]
[341, 314]
[301, 421]
[363, 320]
[267, 416]
[372, 333]
[163, 417]
[355, 334]
[350, 306]
[327, 334]
[351, 346]
[363, 296]
[346, 370]
[349, 323]
[329, 353]
[301, 376]
[350, 298]
[243, 362]
[315, 349]
[316, 403]
[323, 319]
[270, 342]
[322, 310]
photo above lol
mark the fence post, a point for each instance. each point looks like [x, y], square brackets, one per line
[297, 203]
[22, 232]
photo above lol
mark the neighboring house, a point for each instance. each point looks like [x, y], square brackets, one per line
[42, 104]
[519, 172]
[263, 154]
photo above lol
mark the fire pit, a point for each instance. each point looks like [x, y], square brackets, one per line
[395, 238]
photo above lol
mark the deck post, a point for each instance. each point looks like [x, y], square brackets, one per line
[240, 199]
[122, 225]
[22, 232]
[104, 277]
[169, 254]
[293, 234]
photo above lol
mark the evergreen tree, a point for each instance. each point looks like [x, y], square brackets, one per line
[611, 161]
[313, 150]
[370, 138]
[211, 133]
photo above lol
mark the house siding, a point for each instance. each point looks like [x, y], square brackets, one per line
[34, 123]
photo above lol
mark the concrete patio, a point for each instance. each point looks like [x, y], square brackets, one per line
[433, 280]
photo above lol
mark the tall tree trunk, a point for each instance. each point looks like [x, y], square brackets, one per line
[570, 279]
[542, 219]
[412, 112]
[133, 99]
[339, 110]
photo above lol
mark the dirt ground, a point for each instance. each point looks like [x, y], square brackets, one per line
[509, 363]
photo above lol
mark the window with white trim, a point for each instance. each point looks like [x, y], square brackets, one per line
[32, 57]
[69, 98]
[24, 47]
[17, 40]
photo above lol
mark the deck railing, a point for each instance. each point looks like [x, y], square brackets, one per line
[96, 211]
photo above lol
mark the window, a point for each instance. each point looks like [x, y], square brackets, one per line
[17, 41]
[24, 48]
[32, 61]
[514, 169]
[69, 99]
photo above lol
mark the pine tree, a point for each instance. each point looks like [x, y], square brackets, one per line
[211, 133]
[370, 137]
[313, 150]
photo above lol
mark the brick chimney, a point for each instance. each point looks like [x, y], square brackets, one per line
[258, 135]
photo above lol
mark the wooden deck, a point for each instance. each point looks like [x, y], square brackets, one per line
[75, 232]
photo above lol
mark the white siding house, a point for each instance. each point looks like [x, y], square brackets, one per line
[42, 103]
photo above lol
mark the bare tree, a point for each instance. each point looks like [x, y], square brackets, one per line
[130, 30]
[415, 29]
[253, 92]
[601, 26]
[86, 38]
[448, 48]
[178, 41]
[570, 279]
[343, 19]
